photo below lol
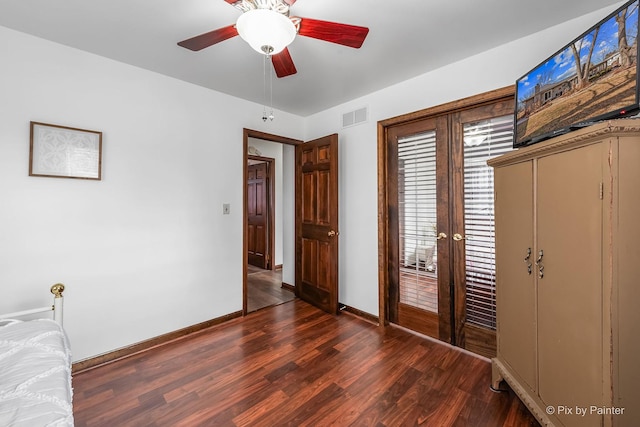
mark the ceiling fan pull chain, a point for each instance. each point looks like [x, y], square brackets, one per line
[264, 90]
[270, 89]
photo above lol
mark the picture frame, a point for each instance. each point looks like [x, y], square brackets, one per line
[64, 152]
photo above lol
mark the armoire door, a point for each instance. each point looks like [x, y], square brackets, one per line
[516, 278]
[441, 223]
[569, 249]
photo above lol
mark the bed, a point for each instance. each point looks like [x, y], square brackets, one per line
[35, 368]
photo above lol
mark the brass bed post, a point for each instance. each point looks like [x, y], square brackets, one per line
[58, 299]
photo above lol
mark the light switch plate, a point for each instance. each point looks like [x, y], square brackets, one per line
[226, 208]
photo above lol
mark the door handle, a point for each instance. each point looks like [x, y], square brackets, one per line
[457, 237]
[539, 264]
[526, 259]
[333, 233]
[441, 236]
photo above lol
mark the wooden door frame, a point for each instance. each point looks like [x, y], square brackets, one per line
[271, 207]
[246, 134]
[384, 236]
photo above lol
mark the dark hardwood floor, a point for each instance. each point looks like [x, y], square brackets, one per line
[292, 364]
[264, 288]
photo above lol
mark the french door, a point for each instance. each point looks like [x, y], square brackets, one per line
[440, 230]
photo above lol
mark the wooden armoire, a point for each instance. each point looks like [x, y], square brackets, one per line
[568, 275]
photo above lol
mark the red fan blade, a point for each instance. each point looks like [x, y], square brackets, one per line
[283, 64]
[207, 39]
[236, 3]
[347, 35]
[290, 2]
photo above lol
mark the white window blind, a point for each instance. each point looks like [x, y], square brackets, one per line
[482, 141]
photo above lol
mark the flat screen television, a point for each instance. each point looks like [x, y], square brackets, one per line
[593, 78]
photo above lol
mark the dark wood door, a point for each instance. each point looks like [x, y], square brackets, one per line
[257, 214]
[477, 135]
[420, 280]
[317, 222]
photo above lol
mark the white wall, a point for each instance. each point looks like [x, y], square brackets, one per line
[146, 250]
[358, 201]
[288, 218]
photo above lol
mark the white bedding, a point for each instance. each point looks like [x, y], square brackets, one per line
[35, 374]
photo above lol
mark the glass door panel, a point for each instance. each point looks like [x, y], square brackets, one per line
[417, 218]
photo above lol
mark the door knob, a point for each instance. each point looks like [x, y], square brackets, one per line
[333, 233]
[457, 237]
[441, 236]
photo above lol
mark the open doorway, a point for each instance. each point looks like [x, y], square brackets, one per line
[265, 194]
[269, 220]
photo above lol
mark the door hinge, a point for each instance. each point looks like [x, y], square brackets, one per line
[602, 191]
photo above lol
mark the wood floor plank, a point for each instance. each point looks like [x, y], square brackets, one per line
[264, 288]
[293, 364]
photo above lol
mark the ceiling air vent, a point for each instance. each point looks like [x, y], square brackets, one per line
[355, 117]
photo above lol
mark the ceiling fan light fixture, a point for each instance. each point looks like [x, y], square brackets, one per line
[267, 31]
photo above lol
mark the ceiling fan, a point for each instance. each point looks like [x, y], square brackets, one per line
[268, 28]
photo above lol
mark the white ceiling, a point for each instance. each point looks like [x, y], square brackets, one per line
[407, 38]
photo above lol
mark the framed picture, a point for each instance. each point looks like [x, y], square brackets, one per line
[64, 152]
